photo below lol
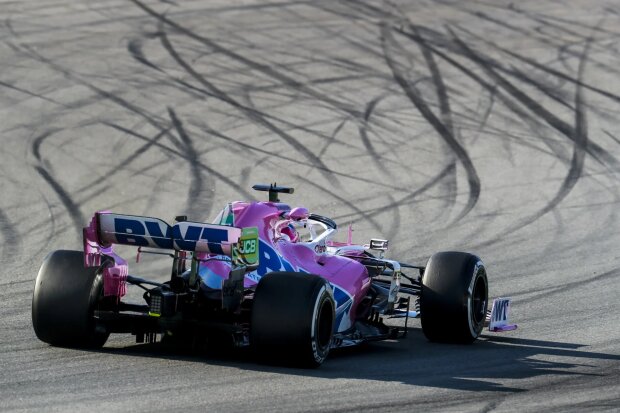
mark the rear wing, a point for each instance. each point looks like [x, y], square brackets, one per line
[107, 229]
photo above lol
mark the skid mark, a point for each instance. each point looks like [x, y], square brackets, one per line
[130, 107]
[536, 110]
[257, 149]
[597, 152]
[561, 75]
[128, 160]
[12, 242]
[445, 114]
[198, 204]
[558, 289]
[72, 208]
[409, 198]
[529, 119]
[343, 200]
[376, 158]
[554, 92]
[332, 138]
[29, 93]
[38, 141]
[612, 136]
[134, 47]
[394, 213]
[561, 46]
[415, 98]
[580, 145]
[580, 139]
[260, 67]
[249, 112]
[182, 155]
[50, 223]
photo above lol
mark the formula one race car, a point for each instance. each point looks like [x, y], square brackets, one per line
[263, 275]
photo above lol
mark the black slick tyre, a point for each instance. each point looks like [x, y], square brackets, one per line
[65, 296]
[454, 297]
[292, 319]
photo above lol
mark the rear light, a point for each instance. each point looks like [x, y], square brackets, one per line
[163, 304]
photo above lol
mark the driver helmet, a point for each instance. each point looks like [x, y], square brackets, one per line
[290, 232]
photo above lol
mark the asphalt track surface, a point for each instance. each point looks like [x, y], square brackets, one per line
[485, 126]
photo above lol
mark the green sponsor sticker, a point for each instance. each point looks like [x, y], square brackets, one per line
[246, 250]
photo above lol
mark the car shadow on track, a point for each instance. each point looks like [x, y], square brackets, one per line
[483, 366]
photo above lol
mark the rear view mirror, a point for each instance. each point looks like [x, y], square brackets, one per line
[378, 244]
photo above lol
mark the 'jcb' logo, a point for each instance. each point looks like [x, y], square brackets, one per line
[248, 246]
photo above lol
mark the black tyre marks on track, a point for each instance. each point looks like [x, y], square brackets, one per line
[580, 139]
[544, 84]
[415, 97]
[578, 133]
[612, 136]
[11, 239]
[28, 93]
[150, 119]
[332, 138]
[530, 119]
[265, 69]
[597, 152]
[407, 199]
[129, 159]
[445, 114]
[183, 155]
[252, 114]
[544, 68]
[558, 289]
[257, 149]
[134, 47]
[394, 212]
[199, 203]
[615, 98]
[537, 113]
[73, 208]
[363, 131]
[375, 224]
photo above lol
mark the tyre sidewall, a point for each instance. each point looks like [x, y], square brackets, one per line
[478, 273]
[319, 351]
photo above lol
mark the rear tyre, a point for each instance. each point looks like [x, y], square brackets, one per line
[454, 298]
[64, 299]
[292, 319]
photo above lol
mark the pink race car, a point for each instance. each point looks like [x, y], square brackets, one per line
[263, 275]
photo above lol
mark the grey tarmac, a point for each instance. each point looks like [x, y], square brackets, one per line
[485, 126]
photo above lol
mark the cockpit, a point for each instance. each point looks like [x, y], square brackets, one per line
[294, 225]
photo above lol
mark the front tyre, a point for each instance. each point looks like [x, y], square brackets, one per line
[292, 319]
[64, 299]
[454, 298]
